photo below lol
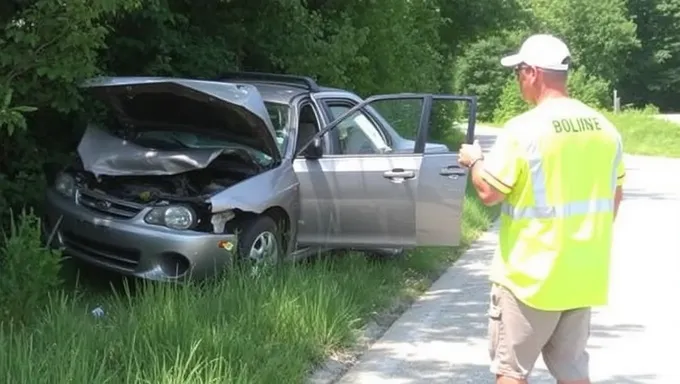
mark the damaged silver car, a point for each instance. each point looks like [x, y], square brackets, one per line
[191, 174]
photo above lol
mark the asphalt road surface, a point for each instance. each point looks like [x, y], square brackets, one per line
[634, 340]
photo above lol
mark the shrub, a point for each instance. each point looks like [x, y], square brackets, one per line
[404, 117]
[510, 103]
[643, 133]
[478, 70]
[29, 272]
[590, 89]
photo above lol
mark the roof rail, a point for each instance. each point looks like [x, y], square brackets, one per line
[307, 82]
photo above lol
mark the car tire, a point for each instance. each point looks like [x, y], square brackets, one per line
[259, 241]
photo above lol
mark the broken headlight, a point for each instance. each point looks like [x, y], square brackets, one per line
[65, 184]
[174, 217]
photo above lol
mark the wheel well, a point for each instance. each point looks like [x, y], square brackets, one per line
[281, 218]
[277, 213]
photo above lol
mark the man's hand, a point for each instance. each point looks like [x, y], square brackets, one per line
[469, 153]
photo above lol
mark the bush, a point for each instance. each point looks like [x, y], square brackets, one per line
[510, 103]
[29, 272]
[404, 117]
[590, 89]
[644, 133]
[478, 70]
[587, 88]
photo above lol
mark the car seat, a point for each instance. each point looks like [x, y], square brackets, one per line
[357, 142]
[306, 130]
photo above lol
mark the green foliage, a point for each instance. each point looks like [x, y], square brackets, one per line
[404, 116]
[653, 74]
[465, 21]
[599, 33]
[510, 103]
[29, 272]
[47, 48]
[644, 133]
[601, 36]
[12, 117]
[587, 88]
[478, 70]
[590, 89]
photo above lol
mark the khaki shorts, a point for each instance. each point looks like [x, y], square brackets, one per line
[518, 334]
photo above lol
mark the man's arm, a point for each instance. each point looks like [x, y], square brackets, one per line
[487, 193]
[495, 174]
[618, 196]
[620, 178]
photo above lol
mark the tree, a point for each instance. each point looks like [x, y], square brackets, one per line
[600, 34]
[478, 70]
[654, 68]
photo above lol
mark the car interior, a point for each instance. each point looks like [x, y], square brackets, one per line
[308, 126]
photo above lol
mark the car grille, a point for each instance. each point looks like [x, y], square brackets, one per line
[103, 204]
[126, 258]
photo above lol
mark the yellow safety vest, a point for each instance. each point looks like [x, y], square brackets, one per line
[559, 165]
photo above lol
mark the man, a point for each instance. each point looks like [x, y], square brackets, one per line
[557, 170]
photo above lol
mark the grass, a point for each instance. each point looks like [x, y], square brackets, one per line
[645, 134]
[267, 328]
[642, 132]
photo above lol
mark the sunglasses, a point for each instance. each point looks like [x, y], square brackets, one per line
[519, 68]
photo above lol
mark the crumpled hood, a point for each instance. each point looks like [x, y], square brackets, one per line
[105, 154]
[235, 112]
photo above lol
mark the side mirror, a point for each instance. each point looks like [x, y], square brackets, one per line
[314, 150]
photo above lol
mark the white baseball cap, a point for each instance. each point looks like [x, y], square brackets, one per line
[542, 51]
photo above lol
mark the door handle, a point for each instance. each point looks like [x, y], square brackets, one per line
[399, 173]
[452, 170]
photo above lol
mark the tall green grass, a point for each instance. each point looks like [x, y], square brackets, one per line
[271, 327]
[644, 133]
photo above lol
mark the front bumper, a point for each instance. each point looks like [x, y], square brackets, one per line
[132, 247]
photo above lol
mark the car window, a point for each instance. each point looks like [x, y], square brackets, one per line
[357, 133]
[279, 114]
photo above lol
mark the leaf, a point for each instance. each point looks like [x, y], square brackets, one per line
[25, 109]
[7, 99]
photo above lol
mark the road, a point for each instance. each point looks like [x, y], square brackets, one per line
[442, 338]
[673, 117]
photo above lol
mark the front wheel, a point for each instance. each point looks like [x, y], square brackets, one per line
[260, 241]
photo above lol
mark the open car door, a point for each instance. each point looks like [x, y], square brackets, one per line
[375, 194]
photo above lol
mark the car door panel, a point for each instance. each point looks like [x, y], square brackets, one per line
[314, 218]
[364, 201]
[388, 199]
[441, 192]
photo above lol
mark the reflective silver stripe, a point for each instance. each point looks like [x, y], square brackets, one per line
[559, 211]
[537, 175]
[543, 210]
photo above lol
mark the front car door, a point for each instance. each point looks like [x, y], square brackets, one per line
[374, 198]
[365, 195]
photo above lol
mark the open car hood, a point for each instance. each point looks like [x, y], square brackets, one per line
[102, 153]
[233, 111]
